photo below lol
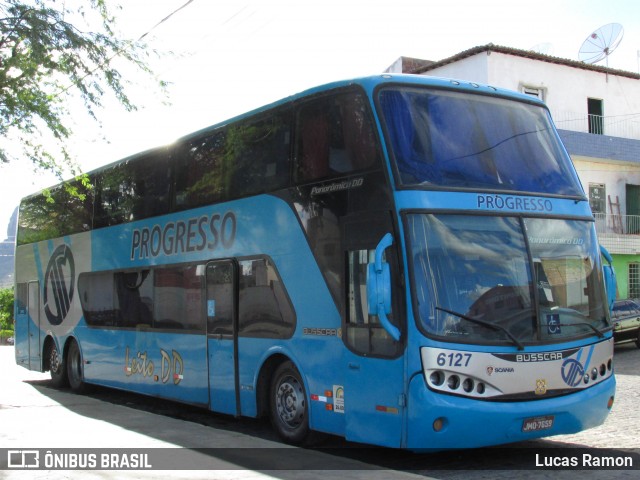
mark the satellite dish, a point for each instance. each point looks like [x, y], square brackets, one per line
[601, 43]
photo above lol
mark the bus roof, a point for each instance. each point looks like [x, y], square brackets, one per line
[368, 83]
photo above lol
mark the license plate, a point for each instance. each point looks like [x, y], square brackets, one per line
[535, 424]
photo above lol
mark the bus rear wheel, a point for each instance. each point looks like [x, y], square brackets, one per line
[57, 367]
[74, 368]
[288, 404]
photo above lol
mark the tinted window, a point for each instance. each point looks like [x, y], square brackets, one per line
[133, 190]
[451, 139]
[63, 210]
[163, 298]
[22, 297]
[178, 297]
[335, 137]
[97, 299]
[201, 170]
[365, 333]
[260, 152]
[265, 309]
[245, 158]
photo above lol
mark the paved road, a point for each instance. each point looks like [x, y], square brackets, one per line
[35, 416]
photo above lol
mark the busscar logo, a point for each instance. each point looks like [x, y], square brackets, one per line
[57, 293]
[572, 372]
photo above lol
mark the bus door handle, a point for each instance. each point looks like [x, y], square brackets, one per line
[354, 366]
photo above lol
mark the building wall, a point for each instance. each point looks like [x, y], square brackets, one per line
[621, 266]
[473, 69]
[615, 176]
[566, 89]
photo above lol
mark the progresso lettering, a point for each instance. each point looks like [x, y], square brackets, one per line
[527, 204]
[206, 232]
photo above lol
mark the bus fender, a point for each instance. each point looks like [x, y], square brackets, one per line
[268, 363]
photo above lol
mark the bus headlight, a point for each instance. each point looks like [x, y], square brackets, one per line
[461, 384]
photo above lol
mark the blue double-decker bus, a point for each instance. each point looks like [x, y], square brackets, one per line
[400, 260]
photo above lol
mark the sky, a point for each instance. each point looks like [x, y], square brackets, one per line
[230, 56]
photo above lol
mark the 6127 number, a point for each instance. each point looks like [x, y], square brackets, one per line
[453, 359]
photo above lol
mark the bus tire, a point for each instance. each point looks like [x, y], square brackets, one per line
[75, 371]
[288, 405]
[57, 367]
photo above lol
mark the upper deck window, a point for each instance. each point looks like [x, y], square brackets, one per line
[335, 137]
[456, 140]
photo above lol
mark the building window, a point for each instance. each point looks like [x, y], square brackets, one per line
[537, 92]
[595, 112]
[634, 280]
[597, 195]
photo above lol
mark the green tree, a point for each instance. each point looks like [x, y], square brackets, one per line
[6, 312]
[47, 63]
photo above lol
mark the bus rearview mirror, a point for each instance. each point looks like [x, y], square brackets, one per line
[379, 288]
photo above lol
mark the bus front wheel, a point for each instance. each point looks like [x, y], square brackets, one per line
[288, 404]
[74, 368]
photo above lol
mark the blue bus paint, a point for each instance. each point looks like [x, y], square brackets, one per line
[464, 416]
[254, 301]
[491, 203]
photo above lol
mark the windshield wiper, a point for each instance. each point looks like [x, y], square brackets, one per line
[484, 323]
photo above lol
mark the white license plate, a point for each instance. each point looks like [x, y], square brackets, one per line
[536, 424]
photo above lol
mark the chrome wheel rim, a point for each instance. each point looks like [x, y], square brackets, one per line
[290, 402]
[54, 360]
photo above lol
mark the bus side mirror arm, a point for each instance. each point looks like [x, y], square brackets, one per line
[379, 288]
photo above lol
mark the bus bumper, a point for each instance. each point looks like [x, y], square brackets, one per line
[438, 421]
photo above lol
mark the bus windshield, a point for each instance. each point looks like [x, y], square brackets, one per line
[449, 139]
[505, 280]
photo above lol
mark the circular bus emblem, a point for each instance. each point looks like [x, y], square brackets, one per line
[572, 372]
[57, 294]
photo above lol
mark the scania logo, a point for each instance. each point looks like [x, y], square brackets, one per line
[572, 372]
[57, 294]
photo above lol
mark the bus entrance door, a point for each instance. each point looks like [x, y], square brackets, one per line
[222, 336]
[374, 381]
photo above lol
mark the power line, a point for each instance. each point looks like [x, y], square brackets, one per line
[104, 64]
[165, 19]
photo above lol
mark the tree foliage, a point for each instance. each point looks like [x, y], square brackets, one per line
[6, 309]
[47, 63]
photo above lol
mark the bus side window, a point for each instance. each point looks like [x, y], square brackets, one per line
[313, 153]
[335, 137]
[201, 167]
[365, 334]
[97, 298]
[134, 293]
[178, 297]
[265, 310]
[260, 150]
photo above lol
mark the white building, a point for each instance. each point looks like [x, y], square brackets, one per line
[597, 112]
